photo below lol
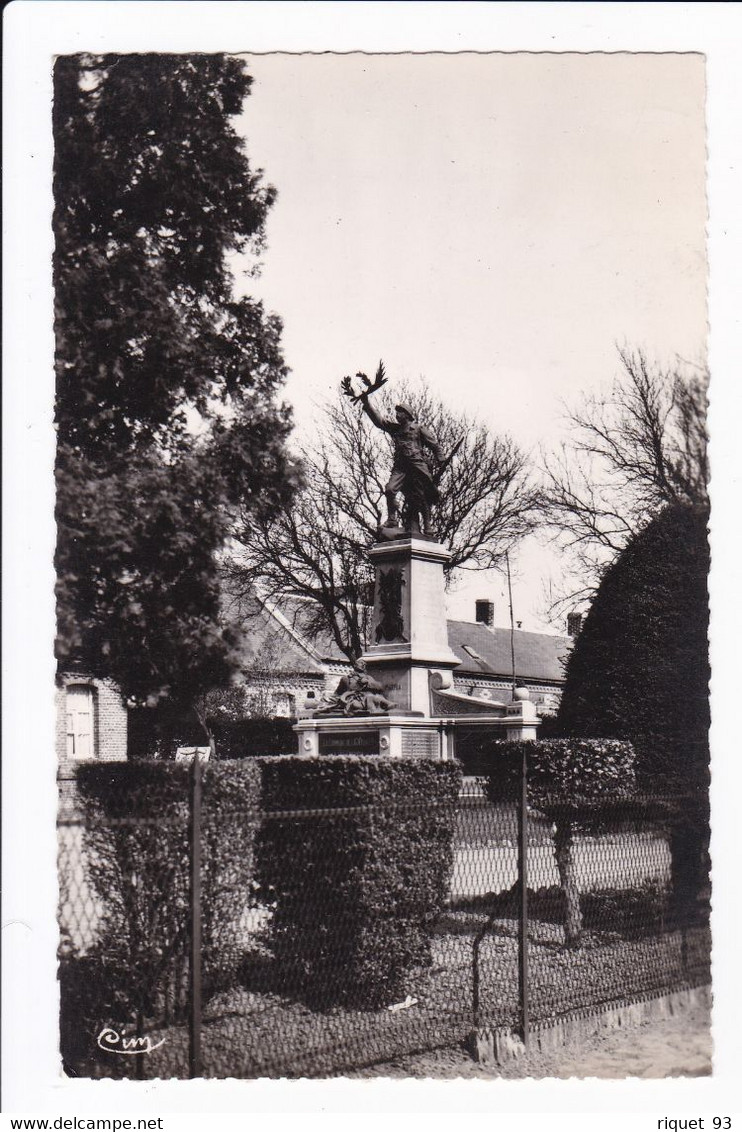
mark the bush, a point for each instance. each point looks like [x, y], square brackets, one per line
[549, 727]
[136, 849]
[630, 912]
[156, 733]
[357, 887]
[246, 738]
[640, 910]
[87, 1001]
[562, 771]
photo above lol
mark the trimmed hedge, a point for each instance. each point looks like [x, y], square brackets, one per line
[136, 843]
[155, 733]
[639, 910]
[562, 771]
[246, 738]
[357, 887]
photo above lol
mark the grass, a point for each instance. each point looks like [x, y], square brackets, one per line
[255, 1031]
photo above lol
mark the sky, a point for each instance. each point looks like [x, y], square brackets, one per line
[494, 223]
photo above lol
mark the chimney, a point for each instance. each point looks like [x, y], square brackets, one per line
[485, 613]
[574, 624]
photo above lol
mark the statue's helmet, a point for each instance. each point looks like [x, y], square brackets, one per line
[405, 409]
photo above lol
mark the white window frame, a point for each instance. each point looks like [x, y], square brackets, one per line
[80, 735]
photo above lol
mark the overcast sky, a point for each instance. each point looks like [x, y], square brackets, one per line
[495, 223]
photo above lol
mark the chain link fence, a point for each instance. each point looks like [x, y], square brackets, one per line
[179, 959]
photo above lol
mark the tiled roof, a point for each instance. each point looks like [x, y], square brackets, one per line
[538, 656]
[283, 627]
[297, 613]
[263, 638]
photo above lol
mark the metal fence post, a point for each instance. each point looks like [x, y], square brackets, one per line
[194, 998]
[523, 910]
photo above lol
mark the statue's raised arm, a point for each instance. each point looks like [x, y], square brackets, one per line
[381, 422]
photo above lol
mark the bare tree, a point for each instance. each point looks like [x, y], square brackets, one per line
[642, 446]
[317, 549]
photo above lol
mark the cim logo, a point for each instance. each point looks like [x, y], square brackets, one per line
[113, 1042]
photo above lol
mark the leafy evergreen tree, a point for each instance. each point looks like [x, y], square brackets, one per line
[166, 383]
[639, 670]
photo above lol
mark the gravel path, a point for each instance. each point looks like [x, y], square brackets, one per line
[675, 1047]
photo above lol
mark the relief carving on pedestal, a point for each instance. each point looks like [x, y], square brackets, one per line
[390, 626]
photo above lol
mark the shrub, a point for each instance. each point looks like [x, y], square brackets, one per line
[638, 910]
[358, 886]
[563, 771]
[245, 738]
[629, 911]
[549, 727]
[136, 849]
[87, 1000]
[156, 733]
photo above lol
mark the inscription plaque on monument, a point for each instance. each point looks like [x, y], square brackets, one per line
[349, 743]
[419, 744]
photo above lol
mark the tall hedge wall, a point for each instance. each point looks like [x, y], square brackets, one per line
[356, 887]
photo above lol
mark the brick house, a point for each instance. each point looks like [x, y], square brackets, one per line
[91, 723]
[284, 669]
[91, 719]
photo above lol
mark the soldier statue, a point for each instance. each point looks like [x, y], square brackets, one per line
[412, 475]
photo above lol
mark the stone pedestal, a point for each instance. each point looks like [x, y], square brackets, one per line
[408, 654]
[409, 734]
[409, 635]
[521, 720]
[396, 736]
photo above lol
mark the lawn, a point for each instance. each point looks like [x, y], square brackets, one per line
[255, 1030]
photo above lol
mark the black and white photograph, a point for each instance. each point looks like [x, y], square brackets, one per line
[380, 446]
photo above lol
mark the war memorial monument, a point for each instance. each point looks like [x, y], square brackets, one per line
[399, 699]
